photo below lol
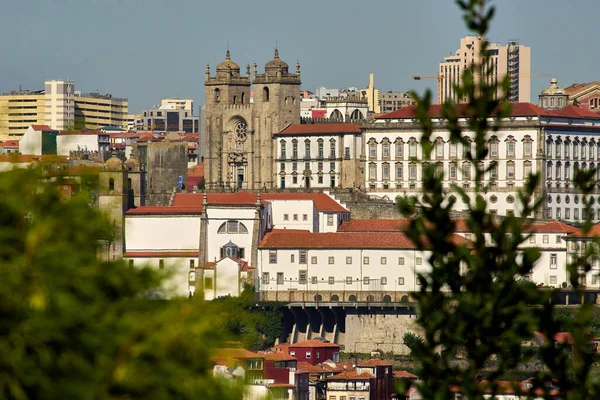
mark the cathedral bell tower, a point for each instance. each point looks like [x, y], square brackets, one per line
[227, 142]
[277, 103]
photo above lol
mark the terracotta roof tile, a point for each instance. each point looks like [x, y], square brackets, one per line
[319, 129]
[294, 239]
[350, 376]
[593, 232]
[572, 111]
[10, 143]
[41, 128]
[322, 201]
[404, 374]
[387, 225]
[373, 362]
[278, 357]
[550, 227]
[313, 343]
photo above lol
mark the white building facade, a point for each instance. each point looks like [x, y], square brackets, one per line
[317, 155]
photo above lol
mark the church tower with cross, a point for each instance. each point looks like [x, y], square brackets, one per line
[239, 150]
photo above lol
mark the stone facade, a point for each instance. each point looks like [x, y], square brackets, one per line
[239, 151]
[163, 164]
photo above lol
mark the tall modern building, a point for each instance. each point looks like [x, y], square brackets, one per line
[512, 59]
[167, 118]
[60, 107]
[183, 104]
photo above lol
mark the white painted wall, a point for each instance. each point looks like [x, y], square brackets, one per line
[349, 268]
[294, 214]
[68, 143]
[158, 232]
[31, 142]
[218, 216]
[176, 270]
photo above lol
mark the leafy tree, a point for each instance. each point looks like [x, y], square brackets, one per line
[473, 300]
[73, 327]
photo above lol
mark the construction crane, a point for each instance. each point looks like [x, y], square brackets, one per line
[439, 78]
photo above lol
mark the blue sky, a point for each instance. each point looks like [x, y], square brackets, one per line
[146, 50]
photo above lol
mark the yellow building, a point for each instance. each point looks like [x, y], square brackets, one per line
[19, 110]
[59, 107]
[94, 110]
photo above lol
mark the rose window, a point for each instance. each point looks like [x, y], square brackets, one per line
[241, 131]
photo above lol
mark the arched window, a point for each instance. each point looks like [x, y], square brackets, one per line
[387, 298]
[287, 100]
[352, 298]
[404, 299]
[370, 298]
[560, 101]
[243, 97]
[318, 297]
[265, 94]
[232, 227]
[234, 99]
[356, 115]
[552, 102]
[336, 115]
[335, 297]
[217, 95]
[111, 184]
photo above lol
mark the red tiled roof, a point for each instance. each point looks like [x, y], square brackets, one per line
[10, 143]
[350, 376]
[323, 202]
[404, 374]
[462, 110]
[282, 385]
[165, 254]
[312, 343]
[294, 239]
[593, 232]
[150, 210]
[578, 87]
[319, 129]
[572, 111]
[40, 127]
[196, 170]
[387, 225]
[313, 369]
[277, 357]
[550, 227]
[559, 337]
[373, 362]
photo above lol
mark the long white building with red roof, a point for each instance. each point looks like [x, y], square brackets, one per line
[554, 143]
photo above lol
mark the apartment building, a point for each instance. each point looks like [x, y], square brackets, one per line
[168, 118]
[177, 103]
[512, 59]
[60, 107]
[95, 110]
[19, 110]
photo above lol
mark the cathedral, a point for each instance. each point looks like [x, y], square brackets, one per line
[239, 150]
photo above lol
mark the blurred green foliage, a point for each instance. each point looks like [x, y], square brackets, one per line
[73, 327]
[474, 303]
